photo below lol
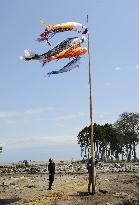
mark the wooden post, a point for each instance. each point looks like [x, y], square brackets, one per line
[91, 120]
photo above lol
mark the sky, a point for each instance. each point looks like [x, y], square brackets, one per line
[40, 117]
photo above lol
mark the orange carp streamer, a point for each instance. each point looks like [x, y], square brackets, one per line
[72, 52]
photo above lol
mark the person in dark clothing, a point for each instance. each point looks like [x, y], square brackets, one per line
[51, 170]
[89, 168]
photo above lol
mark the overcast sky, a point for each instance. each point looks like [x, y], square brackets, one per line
[40, 117]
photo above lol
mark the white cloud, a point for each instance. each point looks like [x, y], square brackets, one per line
[137, 66]
[65, 117]
[108, 84]
[83, 114]
[11, 121]
[98, 117]
[104, 117]
[11, 116]
[117, 68]
[35, 111]
[8, 114]
[37, 141]
[32, 111]
[38, 110]
[71, 116]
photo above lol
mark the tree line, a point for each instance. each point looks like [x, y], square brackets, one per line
[117, 141]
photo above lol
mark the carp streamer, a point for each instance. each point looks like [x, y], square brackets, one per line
[59, 51]
[71, 65]
[68, 48]
[51, 30]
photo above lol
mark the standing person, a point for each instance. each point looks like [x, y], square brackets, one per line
[89, 168]
[51, 169]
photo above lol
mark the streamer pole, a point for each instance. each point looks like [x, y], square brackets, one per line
[91, 120]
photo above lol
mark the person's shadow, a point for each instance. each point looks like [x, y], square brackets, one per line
[8, 201]
[80, 194]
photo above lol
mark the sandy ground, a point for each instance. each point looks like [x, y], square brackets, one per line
[70, 189]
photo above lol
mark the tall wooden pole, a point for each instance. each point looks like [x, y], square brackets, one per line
[91, 120]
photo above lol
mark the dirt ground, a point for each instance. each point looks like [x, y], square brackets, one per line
[70, 189]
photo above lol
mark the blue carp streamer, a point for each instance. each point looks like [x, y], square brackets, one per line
[71, 65]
